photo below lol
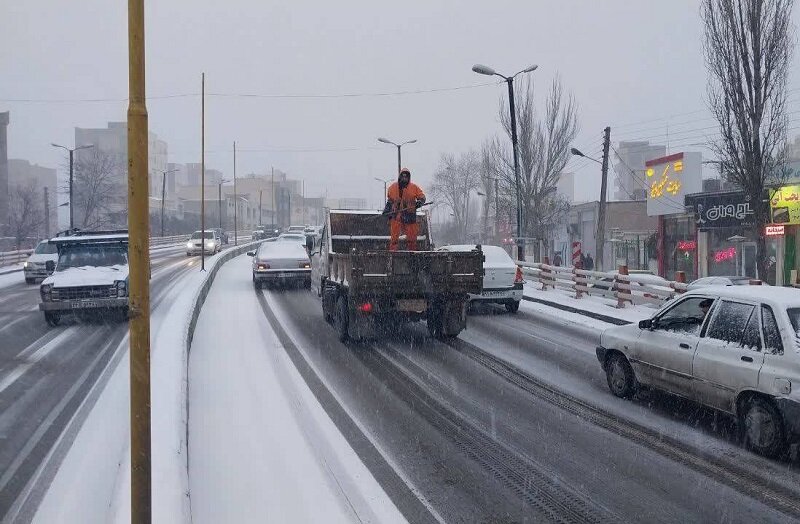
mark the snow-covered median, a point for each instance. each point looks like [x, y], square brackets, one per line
[93, 481]
[261, 447]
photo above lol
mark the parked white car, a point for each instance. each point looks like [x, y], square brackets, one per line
[735, 349]
[720, 281]
[502, 278]
[35, 267]
[208, 242]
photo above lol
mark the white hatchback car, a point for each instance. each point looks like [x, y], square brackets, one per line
[735, 349]
[502, 278]
[36, 265]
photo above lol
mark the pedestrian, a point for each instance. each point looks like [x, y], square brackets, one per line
[557, 259]
[589, 262]
[403, 199]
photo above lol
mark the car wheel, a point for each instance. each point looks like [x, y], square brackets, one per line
[513, 306]
[620, 376]
[341, 318]
[52, 319]
[762, 427]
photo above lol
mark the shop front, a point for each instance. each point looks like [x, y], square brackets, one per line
[785, 230]
[677, 249]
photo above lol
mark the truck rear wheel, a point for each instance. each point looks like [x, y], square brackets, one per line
[342, 318]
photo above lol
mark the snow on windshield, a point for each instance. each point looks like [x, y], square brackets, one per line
[92, 256]
[208, 234]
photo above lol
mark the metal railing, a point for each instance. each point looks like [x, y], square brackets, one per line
[8, 258]
[617, 285]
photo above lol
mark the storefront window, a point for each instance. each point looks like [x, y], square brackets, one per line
[680, 246]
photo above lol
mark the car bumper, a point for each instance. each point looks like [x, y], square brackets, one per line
[499, 295]
[197, 250]
[282, 275]
[75, 305]
[36, 273]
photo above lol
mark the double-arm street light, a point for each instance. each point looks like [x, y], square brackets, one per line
[398, 146]
[71, 160]
[163, 192]
[486, 70]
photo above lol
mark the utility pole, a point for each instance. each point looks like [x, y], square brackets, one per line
[139, 273]
[203, 173]
[260, 194]
[496, 208]
[601, 214]
[46, 214]
[235, 201]
[219, 202]
[274, 215]
[520, 234]
[163, 193]
[71, 200]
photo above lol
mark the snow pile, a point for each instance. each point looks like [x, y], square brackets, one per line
[93, 481]
[591, 303]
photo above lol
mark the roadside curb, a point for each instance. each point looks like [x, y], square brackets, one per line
[570, 309]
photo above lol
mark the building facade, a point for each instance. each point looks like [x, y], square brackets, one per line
[630, 182]
[44, 181]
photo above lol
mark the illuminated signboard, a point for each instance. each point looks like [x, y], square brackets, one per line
[785, 205]
[772, 230]
[669, 179]
[687, 245]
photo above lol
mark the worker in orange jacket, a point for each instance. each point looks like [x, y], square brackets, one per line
[403, 199]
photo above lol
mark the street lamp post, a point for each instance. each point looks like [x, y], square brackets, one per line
[600, 235]
[385, 182]
[398, 146]
[219, 199]
[71, 157]
[486, 70]
[163, 192]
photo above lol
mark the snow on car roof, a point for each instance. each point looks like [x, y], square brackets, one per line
[89, 238]
[779, 296]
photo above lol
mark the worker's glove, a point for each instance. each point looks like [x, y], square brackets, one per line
[387, 209]
[420, 202]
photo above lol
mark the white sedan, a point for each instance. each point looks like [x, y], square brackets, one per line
[502, 278]
[281, 263]
[732, 348]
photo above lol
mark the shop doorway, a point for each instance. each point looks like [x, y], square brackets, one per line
[747, 263]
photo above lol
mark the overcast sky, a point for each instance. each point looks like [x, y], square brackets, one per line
[634, 65]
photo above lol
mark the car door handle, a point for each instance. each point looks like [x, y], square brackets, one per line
[747, 359]
[684, 345]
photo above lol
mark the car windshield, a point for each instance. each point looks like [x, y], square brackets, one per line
[91, 256]
[46, 248]
[197, 235]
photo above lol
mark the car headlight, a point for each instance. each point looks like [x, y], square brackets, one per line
[46, 291]
[189, 245]
[26, 265]
[122, 288]
[210, 244]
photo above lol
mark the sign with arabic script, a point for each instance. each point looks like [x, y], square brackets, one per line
[720, 210]
[784, 205]
[669, 179]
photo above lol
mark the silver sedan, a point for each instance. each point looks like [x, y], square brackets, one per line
[284, 263]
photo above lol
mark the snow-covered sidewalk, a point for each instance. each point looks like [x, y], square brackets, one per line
[261, 447]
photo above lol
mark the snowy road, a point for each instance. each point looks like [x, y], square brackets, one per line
[538, 439]
[47, 376]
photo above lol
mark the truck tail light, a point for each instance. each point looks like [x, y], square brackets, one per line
[366, 307]
[519, 278]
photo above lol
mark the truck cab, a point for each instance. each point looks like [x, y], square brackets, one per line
[90, 276]
[363, 285]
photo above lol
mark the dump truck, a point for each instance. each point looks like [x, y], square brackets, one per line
[363, 286]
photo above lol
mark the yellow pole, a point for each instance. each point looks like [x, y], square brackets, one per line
[203, 173]
[139, 259]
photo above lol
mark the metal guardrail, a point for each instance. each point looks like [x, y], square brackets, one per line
[616, 285]
[8, 258]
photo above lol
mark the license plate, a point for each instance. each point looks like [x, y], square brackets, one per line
[415, 305]
[85, 303]
[494, 293]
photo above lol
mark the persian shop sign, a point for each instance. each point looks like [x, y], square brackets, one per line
[785, 205]
[669, 179]
[714, 211]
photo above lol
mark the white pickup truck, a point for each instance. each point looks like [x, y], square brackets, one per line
[89, 277]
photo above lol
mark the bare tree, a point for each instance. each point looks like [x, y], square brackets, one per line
[748, 45]
[454, 182]
[100, 190]
[487, 173]
[543, 148]
[25, 212]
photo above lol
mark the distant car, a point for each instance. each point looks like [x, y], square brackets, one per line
[719, 281]
[296, 229]
[732, 348]
[300, 238]
[36, 266]
[266, 231]
[208, 242]
[281, 262]
[502, 278]
[222, 234]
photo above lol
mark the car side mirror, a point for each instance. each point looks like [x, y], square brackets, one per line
[647, 323]
[50, 265]
[251, 253]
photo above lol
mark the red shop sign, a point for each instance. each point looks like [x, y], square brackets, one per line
[687, 245]
[774, 230]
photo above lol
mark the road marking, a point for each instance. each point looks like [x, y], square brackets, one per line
[33, 354]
